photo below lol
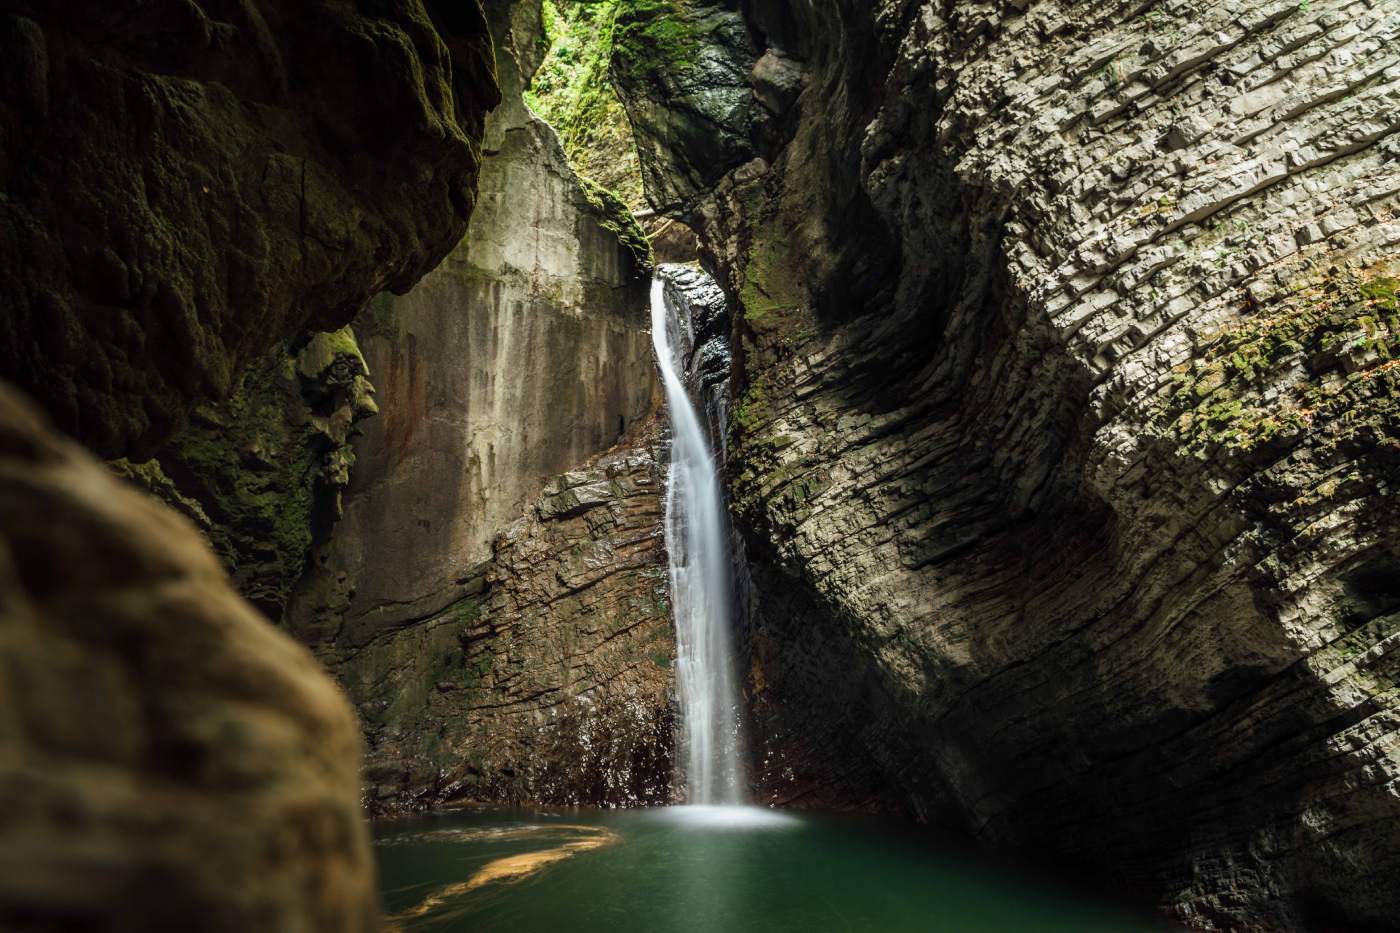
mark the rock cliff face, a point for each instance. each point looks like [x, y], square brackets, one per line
[1066, 441]
[194, 196]
[550, 679]
[524, 356]
[167, 758]
[262, 473]
[186, 184]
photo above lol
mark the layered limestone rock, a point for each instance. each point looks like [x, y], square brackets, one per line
[155, 781]
[550, 680]
[1066, 443]
[524, 356]
[184, 185]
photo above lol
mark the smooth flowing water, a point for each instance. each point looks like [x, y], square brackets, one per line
[702, 870]
[701, 579]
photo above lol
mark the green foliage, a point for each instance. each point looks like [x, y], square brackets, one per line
[654, 36]
[615, 217]
[572, 91]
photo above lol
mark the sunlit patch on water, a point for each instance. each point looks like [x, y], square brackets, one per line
[504, 870]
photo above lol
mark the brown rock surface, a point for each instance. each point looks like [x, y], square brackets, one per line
[168, 760]
[550, 682]
[183, 184]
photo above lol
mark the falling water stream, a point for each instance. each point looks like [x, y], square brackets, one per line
[697, 541]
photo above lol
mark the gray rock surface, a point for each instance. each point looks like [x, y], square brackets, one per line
[1066, 442]
[525, 354]
[168, 760]
[682, 70]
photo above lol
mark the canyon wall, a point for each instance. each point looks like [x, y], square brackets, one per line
[185, 185]
[477, 660]
[1065, 442]
[194, 199]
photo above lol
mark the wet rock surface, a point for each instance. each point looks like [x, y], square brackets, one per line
[1065, 437]
[186, 184]
[682, 70]
[156, 781]
[551, 680]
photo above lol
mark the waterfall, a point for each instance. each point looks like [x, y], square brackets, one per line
[697, 541]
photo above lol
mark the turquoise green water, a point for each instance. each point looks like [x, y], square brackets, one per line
[700, 870]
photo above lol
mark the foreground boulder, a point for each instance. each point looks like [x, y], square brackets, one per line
[168, 760]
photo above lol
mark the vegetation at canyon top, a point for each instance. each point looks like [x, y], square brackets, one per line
[573, 92]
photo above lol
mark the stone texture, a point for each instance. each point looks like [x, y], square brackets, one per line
[523, 355]
[184, 184]
[262, 474]
[550, 681]
[168, 760]
[682, 68]
[1066, 442]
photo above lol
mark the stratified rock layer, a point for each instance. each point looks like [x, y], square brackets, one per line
[551, 680]
[185, 184]
[152, 782]
[1067, 442]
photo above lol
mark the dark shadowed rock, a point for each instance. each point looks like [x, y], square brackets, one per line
[168, 760]
[262, 473]
[1066, 441]
[184, 184]
[682, 70]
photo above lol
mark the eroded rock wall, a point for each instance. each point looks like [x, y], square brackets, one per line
[1066, 440]
[186, 184]
[525, 355]
[262, 473]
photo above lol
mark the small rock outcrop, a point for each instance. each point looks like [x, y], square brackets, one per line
[186, 184]
[1065, 434]
[168, 759]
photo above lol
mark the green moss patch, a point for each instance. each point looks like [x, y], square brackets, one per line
[1328, 352]
[615, 217]
[572, 91]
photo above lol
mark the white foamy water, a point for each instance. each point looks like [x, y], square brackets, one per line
[701, 600]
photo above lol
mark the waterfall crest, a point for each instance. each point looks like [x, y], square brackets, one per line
[697, 542]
